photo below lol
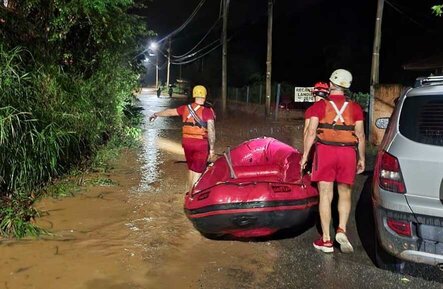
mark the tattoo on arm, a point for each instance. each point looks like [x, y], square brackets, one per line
[211, 134]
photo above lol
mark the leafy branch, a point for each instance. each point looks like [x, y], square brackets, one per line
[437, 9]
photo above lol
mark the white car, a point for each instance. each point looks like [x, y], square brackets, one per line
[407, 189]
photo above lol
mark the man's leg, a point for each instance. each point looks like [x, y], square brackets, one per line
[344, 209]
[326, 194]
[344, 204]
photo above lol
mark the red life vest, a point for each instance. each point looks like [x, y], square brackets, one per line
[337, 127]
[193, 124]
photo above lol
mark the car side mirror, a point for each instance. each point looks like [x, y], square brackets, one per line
[382, 122]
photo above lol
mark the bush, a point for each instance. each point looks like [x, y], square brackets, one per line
[66, 81]
[362, 99]
[52, 121]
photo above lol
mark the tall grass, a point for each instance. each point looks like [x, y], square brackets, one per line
[50, 121]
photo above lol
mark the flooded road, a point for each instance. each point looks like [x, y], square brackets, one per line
[132, 232]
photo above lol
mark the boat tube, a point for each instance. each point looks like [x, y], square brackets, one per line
[253, 190]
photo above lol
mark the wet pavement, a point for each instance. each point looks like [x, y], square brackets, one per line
[133, 233]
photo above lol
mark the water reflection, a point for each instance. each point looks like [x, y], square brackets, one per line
[149, 154]
[149, 159]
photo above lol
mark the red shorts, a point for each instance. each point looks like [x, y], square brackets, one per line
[334, 163]
[196, 153]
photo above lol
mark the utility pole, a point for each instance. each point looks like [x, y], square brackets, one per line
[169, 62]
[225, 55]
[269, 59]
[375, 68]
[156, 71]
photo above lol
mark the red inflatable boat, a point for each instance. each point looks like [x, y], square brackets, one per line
[254, 190]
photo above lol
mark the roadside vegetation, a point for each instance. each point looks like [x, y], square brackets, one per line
[67, 76]
[437, 9]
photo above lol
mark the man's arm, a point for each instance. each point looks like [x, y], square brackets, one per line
[360, 133]
[211, 137]
[305, 128]
[309, 139]
[166, 112]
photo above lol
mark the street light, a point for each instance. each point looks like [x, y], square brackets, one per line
[154, 47]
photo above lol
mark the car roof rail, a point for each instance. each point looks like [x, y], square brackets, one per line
[420, 81]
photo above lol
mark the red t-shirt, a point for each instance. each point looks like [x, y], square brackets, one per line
[208, 113]
[318, 109]
[308, 112]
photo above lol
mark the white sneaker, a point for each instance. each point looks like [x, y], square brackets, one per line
[342, 239]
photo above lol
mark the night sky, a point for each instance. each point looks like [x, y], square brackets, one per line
[311, 38]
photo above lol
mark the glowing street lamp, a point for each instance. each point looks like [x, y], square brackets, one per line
[153, 47]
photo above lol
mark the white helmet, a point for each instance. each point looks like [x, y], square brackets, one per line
[342, 78]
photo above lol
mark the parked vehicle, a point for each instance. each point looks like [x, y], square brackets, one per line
[408, 179]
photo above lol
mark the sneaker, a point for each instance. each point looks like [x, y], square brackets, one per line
[342, 239]
[324, 246]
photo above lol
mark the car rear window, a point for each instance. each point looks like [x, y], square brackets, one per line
[421, 119]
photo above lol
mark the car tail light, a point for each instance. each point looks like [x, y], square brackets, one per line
[402, 228]
[389, 173]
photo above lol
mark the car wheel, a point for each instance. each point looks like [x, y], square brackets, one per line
[386, 261]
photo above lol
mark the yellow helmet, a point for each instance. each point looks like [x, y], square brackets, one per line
[199, 91]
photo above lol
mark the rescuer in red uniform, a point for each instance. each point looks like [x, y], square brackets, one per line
[336, 127]
[198, 132]
[320, 91]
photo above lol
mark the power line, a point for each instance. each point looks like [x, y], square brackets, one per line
[240, 31]
[198, 57]
[404, 14]
[204, 37]
[183, 59]
[192, 60]
[160, 67]
[197, 52]
[183, 26]
[163, 66]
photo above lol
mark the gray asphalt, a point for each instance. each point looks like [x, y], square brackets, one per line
[302, 266]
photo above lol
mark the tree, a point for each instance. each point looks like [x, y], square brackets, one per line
[437, 9]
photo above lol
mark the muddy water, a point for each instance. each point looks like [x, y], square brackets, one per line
[134, 234]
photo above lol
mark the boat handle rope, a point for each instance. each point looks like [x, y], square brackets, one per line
[227, 155]
[301, 183]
